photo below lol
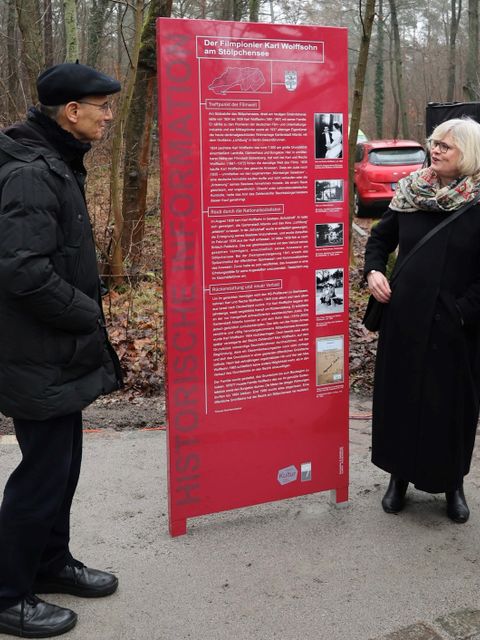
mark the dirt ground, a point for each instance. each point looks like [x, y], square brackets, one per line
[119, 411]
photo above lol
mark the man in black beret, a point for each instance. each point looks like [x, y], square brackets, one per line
[69, 82]
[55, 356]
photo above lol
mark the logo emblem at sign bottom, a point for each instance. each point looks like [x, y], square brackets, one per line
[288, 474]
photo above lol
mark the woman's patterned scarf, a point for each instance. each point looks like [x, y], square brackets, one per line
[422, 190]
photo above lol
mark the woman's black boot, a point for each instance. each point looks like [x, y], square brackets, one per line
[394, 499]
[457, 508]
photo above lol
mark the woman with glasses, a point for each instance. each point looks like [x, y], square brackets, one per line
[427, 375]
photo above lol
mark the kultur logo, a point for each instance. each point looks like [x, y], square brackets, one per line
[288, 474]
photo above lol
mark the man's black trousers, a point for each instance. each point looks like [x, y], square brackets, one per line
[35, 512]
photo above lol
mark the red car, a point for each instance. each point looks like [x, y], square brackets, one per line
[379, 165]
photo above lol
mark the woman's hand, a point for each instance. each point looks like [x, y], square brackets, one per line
[379, 287]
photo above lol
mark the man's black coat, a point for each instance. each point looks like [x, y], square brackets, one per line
[55, 357]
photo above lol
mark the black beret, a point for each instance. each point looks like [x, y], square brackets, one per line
[70, 81]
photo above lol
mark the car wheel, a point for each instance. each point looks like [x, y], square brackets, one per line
[358, 208]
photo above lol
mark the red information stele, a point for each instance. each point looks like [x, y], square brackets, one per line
[253, 141]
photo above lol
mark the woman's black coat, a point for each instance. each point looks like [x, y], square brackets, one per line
[55, 357]
[427, 376]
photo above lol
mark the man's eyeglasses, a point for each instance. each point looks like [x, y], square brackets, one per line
[105, 106]
[443, 147]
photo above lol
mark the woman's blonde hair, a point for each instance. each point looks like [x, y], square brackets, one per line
[465, 134]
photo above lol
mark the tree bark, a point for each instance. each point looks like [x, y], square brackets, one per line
[119, 40]
[396, 109]
[360, 73]
[138, 127]
[71, 35]
[470, 88]
[239, 7]
[96, 26]
[12, 63]
[116, 266]
[226, 10]
[455, 12]
[47, 32]
[379, 73]
[138, 130]
[272, 11]
[254, 8]
[30, 25]
[399, 70]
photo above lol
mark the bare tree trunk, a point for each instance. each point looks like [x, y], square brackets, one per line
[116, 267]
[47, 32]
[399, 70]
[238, 9]
[138, 130]
[30, 25]
[135, 181]
[254, 8]
[119, 39]
[396, 110]
[379, 73]
[12, 63]
[71, 29]
[455, 12]
[470, 89]
[226, 10]
[272, 11]
[62, 36]
[96, 25]
[360, 73]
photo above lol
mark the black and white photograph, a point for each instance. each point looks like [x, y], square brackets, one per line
[327, 191]
[329, 235]
[328, 136]
[329, 291]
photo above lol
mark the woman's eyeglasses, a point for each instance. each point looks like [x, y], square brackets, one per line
[443, 147]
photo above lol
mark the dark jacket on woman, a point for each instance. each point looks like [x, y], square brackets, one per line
[427, 376]
[55, 357]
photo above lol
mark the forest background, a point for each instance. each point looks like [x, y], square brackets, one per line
[402, 55]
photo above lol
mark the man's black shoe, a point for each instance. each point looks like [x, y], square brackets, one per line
[77, 580]
[34, 618]
[394, 498]
[457, 508]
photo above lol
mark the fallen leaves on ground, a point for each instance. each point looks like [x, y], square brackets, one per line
[363, 343]
[135, 319]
